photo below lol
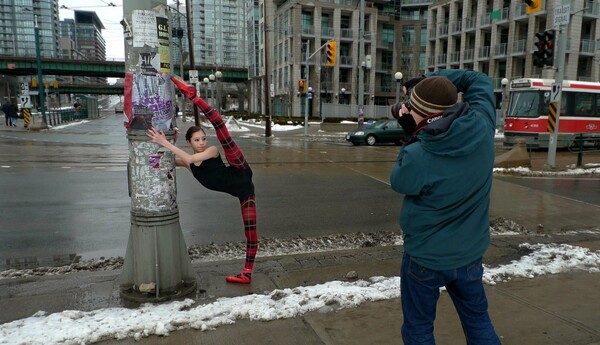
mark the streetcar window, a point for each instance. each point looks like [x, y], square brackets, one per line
[584, 104]
[525, 104]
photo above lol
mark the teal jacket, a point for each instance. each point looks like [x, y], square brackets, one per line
[445, 174]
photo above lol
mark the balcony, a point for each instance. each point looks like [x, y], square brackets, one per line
[500, 50]
[468, 55]
[518, 47]
[455, 58]
[484, 52]
[327, 32]
[470, 23]
[587, 47]
[456, 27]
[442, 59]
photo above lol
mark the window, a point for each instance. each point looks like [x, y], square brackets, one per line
[584, 104]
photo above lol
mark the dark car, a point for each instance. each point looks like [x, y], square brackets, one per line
[382, 131]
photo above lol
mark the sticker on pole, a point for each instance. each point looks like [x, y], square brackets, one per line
[555, 94]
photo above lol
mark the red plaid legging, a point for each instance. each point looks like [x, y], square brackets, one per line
[236, 159]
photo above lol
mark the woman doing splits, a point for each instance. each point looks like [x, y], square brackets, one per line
[208, 168]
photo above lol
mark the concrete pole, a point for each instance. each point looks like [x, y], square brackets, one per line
[361, 60]
[558, 81]
[157, 266]
[306, 74]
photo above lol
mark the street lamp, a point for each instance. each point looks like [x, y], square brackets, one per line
[38, 60]
[504, 83]
[206, 81]
[219, 76]
[398, 77]
[342, 93]
[212, 78]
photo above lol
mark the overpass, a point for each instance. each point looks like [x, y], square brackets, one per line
[26, 66]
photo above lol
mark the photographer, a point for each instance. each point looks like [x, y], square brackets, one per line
[445, 173]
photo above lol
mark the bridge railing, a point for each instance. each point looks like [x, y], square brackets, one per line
[56, 117]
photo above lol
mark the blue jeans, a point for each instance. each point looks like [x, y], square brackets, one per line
[419, 288]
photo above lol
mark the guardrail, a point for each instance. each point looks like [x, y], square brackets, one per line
[61, 116]
[584, 143]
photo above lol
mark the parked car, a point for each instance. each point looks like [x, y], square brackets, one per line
[382, 131]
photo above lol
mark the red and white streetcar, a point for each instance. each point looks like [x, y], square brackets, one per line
[527, 114]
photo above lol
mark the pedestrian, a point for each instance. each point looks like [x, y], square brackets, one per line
[208, 168]
[5, 111]
[445, 174]
[12, 113]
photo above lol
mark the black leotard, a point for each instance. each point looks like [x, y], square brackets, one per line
[215, 175]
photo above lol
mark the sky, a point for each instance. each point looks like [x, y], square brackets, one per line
[110, 16]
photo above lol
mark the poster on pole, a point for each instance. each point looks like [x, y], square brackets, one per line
[144, 28]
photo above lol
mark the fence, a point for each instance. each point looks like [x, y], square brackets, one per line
[59, 116]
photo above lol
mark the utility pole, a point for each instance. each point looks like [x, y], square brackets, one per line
[557, 86]
[361, 60]
[181, 73]
[40, 78]
[308, 88]
[306, 75]
[188, 13]
[267, 70]
[157, 266]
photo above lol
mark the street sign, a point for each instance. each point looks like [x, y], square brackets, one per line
[562, 15]
[25, 101]
[25, 89]
[555, 94]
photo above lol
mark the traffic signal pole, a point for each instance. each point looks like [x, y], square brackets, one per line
[556, 94]
[157, 265]
[306, 74]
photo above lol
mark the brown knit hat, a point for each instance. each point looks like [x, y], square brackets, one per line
[433, 95]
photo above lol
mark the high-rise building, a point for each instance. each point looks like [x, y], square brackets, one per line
[291, 34]
[17, 22]
[219, 33]
[498, 38]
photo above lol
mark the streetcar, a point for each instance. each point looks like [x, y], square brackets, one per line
[527, 113]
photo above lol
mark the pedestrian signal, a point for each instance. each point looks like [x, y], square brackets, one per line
[331, 52]
[302, 86]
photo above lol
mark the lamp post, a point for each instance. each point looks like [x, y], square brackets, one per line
[212, 78]
[504, 83]
[218, 76]
[398, 77]
[38, 60]
[206, 81]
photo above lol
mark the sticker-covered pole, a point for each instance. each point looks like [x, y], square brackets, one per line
[157, 265]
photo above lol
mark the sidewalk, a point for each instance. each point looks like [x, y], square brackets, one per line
[540, 311]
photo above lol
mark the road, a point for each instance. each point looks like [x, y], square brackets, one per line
[64, 191]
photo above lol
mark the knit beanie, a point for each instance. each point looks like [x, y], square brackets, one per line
[433, 95]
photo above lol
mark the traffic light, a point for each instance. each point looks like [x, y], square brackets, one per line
[539, 56]
[550, 39]
[544, 55]
[302, 86]
[331, 53]
[533, 6]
